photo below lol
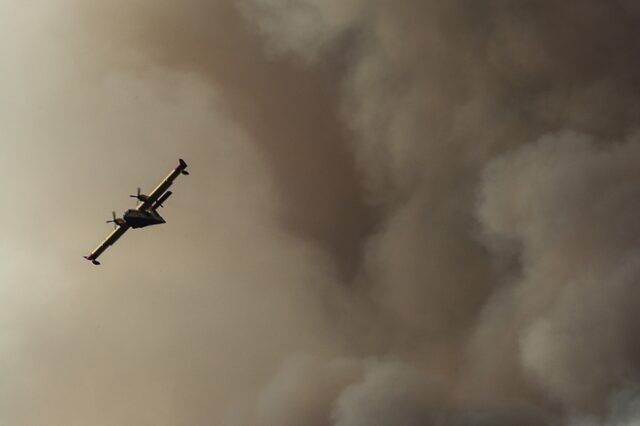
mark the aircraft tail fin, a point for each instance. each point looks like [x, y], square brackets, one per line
[94, 261]
[183, 167]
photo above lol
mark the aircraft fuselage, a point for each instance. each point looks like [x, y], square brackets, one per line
[139, 219]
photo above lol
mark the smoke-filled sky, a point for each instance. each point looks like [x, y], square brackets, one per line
[399, 213]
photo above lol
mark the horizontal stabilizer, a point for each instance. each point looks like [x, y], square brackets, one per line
[94, 261]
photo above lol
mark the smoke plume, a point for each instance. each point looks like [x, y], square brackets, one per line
[399, 213]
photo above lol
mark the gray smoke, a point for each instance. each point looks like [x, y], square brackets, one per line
[416, 212]
[565, 207]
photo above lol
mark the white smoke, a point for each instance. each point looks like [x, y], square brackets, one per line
[306, 28]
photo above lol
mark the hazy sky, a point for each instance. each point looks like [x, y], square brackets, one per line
[411, 212]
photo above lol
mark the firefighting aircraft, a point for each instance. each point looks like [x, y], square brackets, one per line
[145, 214]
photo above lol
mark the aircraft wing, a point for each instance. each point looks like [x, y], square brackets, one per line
[163, 186]
[112, 238]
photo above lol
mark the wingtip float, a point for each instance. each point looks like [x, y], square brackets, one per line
[145, 213]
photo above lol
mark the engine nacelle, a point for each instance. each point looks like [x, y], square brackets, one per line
[140, 196]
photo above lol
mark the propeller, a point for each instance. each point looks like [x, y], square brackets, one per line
[139, 196]
[113, 220]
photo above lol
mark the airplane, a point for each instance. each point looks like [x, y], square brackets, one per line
[145, 213]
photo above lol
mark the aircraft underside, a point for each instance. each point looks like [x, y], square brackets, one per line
[136, 219]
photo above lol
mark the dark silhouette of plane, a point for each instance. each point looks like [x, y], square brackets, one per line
[145, 214]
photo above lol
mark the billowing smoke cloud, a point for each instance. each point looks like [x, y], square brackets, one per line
[416, 212]
[566, 207]
[349, 392]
